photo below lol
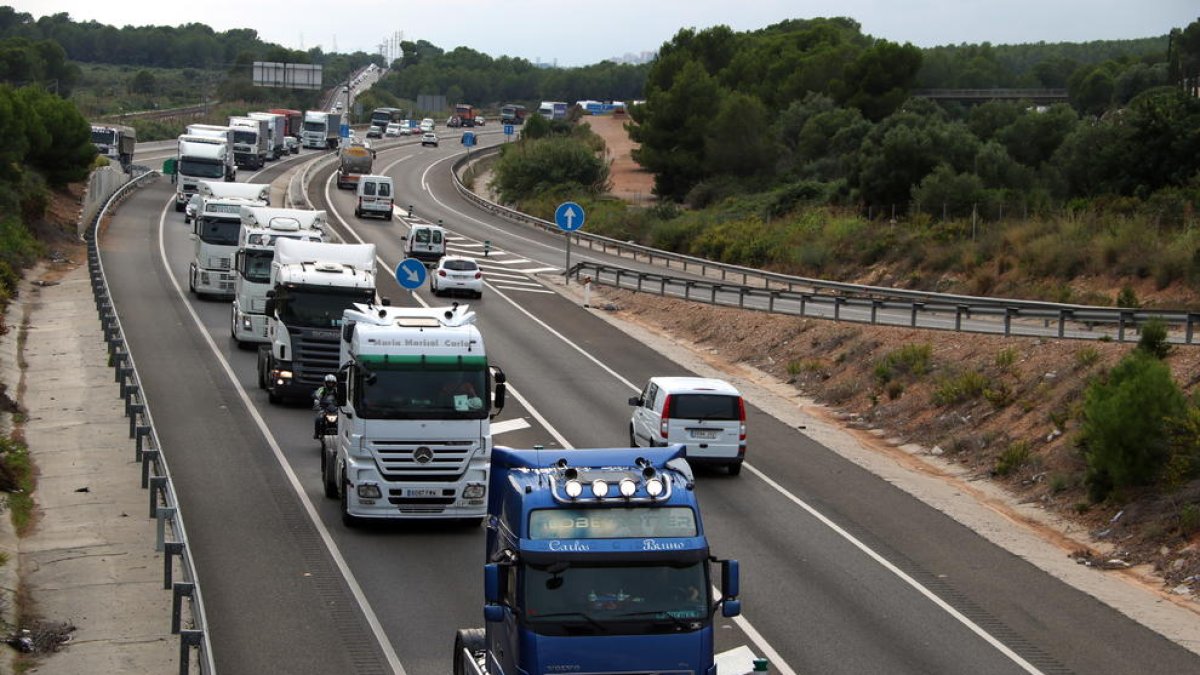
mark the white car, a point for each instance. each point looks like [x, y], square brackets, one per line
[393, 129]
[456, 273]
[479, 120]
[429, 138]
[706, 415]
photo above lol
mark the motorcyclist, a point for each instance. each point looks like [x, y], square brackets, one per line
[324, 396]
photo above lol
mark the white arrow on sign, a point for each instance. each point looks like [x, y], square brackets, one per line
[570, 216]
[412, 275]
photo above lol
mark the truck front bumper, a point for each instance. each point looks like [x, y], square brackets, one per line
[249, 327]
[212, 282]
[369, 496]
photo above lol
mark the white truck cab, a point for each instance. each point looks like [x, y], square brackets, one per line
[215, 232]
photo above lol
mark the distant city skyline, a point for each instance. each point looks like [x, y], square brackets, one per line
[542, 32]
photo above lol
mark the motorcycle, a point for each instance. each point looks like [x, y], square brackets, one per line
[327, 417]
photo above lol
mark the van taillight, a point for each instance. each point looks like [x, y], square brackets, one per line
[741, 419]
[666, 417]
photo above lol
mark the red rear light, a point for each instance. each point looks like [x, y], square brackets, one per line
[742, 419]
[666, 417]
[479, 275]
[441, 273]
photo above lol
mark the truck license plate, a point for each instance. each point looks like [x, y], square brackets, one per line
[421, 492]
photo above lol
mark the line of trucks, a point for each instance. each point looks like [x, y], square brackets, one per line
[214, 152]
[595, 561]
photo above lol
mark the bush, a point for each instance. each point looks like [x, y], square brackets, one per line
[1124, 426]
[962, 387]
[1154, 339]
[912, 359]
[1013, 458]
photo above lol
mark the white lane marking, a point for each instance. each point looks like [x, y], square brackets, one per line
[514, 261]
[351, 582]
[524, 289]
[514, 279]
[505, 426]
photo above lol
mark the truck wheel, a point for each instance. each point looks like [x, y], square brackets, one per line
[389, 216]
[273, 397]
[178, 206]
[735, 468]
[328, 472]
[472, 640]
[344, 492]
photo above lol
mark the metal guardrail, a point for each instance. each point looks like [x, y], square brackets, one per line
[762, 283]
[171, 536]
[1086, 323]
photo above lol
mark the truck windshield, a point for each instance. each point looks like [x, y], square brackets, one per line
[317, 307]
[314, 126]
[104, 136]
[245, 137]
[201, 168]
[570, 598]
[256, 266]
[421, 388]
[219, 231]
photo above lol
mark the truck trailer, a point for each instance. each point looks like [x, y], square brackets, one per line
[355, 158]
[416, 395]
[250, 141]
[311, 285]
[596, 562]
[276, 147]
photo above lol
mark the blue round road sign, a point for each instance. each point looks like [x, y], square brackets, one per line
[569, 216]
[410, 273]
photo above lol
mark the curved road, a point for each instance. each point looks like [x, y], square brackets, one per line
[842, 572]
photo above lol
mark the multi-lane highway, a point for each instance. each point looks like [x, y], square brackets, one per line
[842, 571]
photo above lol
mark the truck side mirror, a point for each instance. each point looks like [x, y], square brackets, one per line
[730, 586]
[635, 400]
[731, 608]
[500, 398]
[269, 307]
[491, 583]
[339, 391]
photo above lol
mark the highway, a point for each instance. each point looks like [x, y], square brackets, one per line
[842, 571]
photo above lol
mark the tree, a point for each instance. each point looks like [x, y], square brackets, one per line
[534, 167]
[1033, 136]
[143, 83]
[943, 190]
[1124, 430]
[748, 151]
[60, 139]
[672, 128]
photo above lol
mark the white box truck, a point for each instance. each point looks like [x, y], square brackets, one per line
[321, 129]
[249, 141]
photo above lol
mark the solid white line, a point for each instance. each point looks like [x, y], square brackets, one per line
[517, 279]
[505, 426]
[514, 261]
[351, 582]
[520, 289]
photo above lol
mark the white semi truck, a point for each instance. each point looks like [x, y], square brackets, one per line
[249, 141]
[262, 228]
[116, 142]
[252, 191]
[311, 285]
[321, 129]
[200, 158]
[276, 123]
[416, 395]
[215, 234]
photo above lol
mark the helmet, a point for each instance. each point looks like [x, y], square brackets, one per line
[330, 380]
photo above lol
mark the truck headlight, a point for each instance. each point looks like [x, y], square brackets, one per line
[284, 374]
[474, 492]
[246, 323]
[369, 491]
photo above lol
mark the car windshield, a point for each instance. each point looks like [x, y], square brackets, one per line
[567, 598]
[423, 388]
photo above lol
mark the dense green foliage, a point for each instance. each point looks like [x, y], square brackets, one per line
[552, 160]
[1126, 417]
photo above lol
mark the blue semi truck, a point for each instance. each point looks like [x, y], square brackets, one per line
[596, 563]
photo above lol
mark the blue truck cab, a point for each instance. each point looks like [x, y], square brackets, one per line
[596, 563]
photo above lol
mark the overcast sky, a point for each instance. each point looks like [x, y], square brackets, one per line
[583, 33]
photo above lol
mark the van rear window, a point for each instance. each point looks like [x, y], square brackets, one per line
[385, 190]
[704, 407]
[369, 188]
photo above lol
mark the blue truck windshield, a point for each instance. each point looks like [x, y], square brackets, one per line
[420, 389]
[653, 521]
[565, 599]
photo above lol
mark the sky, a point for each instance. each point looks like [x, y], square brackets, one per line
[583, 33]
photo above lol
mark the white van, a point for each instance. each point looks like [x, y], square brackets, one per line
[376, 196]
[706, 415]
[426, 243]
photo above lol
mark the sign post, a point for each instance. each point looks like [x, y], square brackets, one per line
[569, 217]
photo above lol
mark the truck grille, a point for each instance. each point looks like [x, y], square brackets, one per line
[439, 461]
[315, 355]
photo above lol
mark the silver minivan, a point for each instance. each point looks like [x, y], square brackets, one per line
[706, 415]
[376, 196]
